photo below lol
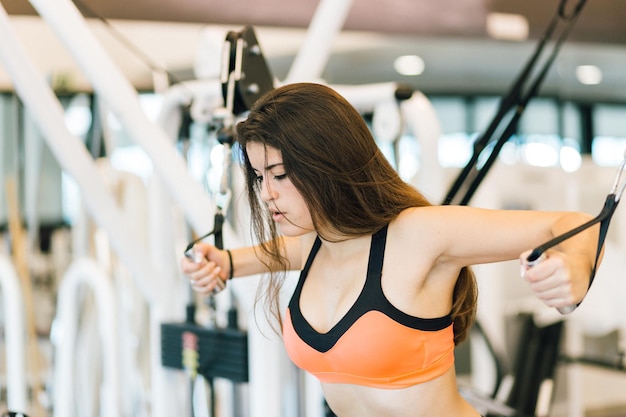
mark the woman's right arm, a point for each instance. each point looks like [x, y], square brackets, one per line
[246, 260]
[212, 264]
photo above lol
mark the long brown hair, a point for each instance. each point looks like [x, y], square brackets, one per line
[330, 156]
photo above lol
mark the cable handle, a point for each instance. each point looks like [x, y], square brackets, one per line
[531, 263]
[220, 286]
[604, 218]
[217, 234]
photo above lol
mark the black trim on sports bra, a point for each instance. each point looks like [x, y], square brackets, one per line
[371, 298]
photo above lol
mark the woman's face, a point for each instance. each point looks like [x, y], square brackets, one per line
[284, 201]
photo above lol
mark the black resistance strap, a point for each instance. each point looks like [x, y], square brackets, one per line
[218, 225]
[604, 218]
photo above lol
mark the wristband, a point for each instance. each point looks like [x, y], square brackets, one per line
[230, 263]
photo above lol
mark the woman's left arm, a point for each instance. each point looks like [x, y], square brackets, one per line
[462, 236]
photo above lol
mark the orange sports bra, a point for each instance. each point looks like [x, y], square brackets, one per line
[374, 344]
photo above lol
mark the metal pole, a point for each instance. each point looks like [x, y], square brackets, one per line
[109, 82]
[73, 156]
[14, 337]
[312, 56]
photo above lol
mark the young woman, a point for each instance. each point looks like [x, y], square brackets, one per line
[385, 290]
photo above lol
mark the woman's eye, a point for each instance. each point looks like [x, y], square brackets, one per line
[258, 179]
[280, 177]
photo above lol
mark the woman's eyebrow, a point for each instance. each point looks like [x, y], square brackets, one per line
[270, 167]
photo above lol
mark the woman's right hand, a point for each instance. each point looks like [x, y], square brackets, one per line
[207, 268]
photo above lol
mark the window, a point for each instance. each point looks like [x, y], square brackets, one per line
[609, 141]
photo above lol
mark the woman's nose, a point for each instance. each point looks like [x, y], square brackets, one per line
[266, 191]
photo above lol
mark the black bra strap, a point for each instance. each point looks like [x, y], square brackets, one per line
[377, 253]
[316, 247]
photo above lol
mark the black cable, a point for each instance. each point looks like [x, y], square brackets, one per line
[513, 99]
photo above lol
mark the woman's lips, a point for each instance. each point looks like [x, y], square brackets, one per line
[277, 216]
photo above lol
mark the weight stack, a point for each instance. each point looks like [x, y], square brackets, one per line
[210, 352]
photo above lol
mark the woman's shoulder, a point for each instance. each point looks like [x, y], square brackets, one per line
[420, 224]
[420, 216]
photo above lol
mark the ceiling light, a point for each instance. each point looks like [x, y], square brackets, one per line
[588, 74]
[409, 65]
[507, 26]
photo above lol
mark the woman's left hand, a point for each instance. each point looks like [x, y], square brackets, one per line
[559, 280]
